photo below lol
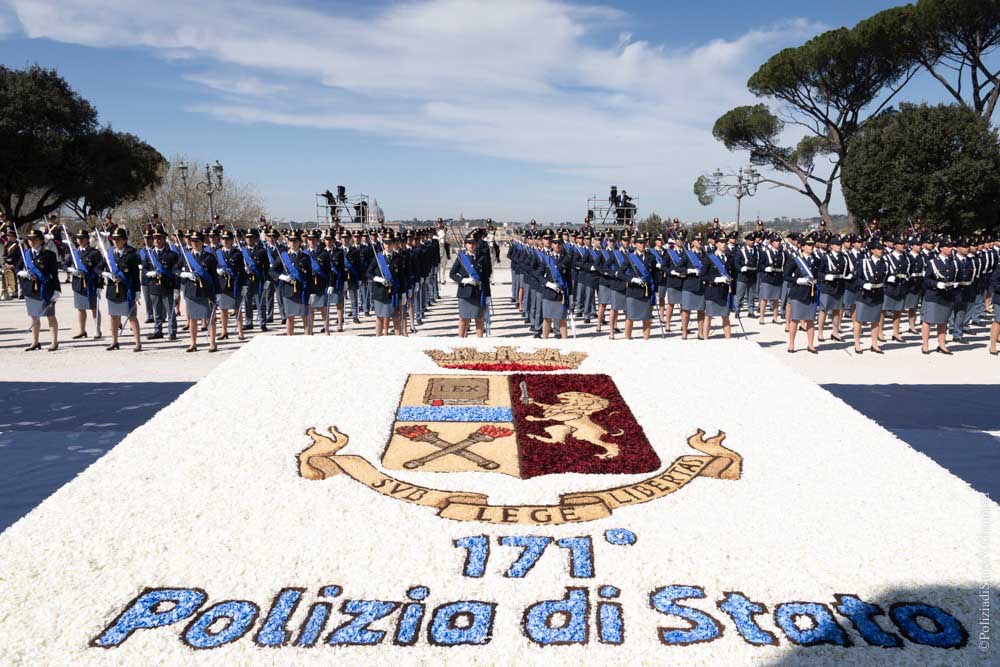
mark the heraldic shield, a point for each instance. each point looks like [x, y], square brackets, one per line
[523, 425]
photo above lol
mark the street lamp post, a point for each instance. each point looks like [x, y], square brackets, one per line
[208, 186]
[741, 184]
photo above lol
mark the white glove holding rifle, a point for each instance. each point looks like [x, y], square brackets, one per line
[151, 274]
[553, 286]
[468, 281]
[867, 286]
[221, 272]
[73, 271]
[802, 281]
[637, 281]
[769, 269]
[187, 275]
[380, 280]
[285, 278]
[829, 277]
[693, 272]
[721, 280]
[107, 275]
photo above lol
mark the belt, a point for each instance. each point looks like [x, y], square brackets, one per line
[876, 286]
[966, 284]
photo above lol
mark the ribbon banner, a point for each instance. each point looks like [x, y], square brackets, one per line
[321, 461]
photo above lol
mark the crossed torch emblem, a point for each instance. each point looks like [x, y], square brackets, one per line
[421, 433]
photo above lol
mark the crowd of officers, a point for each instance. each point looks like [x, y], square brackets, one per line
[216, 276]
[802, 281]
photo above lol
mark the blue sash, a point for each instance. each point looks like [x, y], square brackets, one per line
[657, 255]
[29, 264]
[383, 267]
[725, 274]
[155, 261]
[252, 265]
[594, 256]
[471, 270]
[224, 265]
[350, 266]
[89, 277]
[646, 276]
[694, 259]
[674, 257]
[619, 259]
[557, 277]
[198, 269]
[120, 275]
[813, 292]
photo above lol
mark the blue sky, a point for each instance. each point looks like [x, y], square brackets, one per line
[515, 110]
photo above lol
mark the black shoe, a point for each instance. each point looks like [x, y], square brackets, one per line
[148, 321]
[925, 351]
[32, 348]
[944, 351]
[263, 328]
[586, 320]
[537, 336]
[155, 336]
[356, 320]
[876, 350]
[112, 347]
[172, 337]
[79, 336]
[270, 320]
[248, 327]
[420, 320]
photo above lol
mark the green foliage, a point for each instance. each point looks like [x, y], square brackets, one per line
[652, 225]
[701, 191]
[53, 152]
[940, 162]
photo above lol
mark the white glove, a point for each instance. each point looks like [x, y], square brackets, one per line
[151, 274]
[802, 281]
[954, 284]
[221, 272]
[848, 276]
[107, 275]
[744, 269]
[866, 286]
[55, 297]
[675, 273]
[891, 279]
[23, 273]
[769, 269]
[187, 275]
[72, 270]
[593, 268]
[285, 278]
[720, 280]
[942, 285]
[638, 281]
[693, 271]
[553, 286]
[659, 266]
[829, 277]
[468, 281]
[329, 291]
[49, 237]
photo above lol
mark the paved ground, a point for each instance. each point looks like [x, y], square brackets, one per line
[62, 410]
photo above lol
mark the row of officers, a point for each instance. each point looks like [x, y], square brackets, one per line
[221, 275]
[807, 281]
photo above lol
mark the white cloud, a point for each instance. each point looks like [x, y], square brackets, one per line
[539, 81]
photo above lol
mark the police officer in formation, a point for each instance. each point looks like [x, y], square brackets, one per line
[804, 280]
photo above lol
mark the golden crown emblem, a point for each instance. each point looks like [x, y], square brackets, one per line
[507, 358]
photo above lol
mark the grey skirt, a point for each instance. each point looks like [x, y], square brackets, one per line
[553, 310]
[321, 300]
[121, 308]
[911, 300]
[673, 295]
[802, 311]
[83, 302]
[638, 310]
[661, 291]
[936, 313]
[867, 313]
[226, 301]
[603, 295]
[850, 298]
[197, 309]
[38, 308]
[386, 309]
[713, 309]
[618, 300]
[769, 292]
[830, 302]
[893, 304]
[467, 310]
[691, 301]
[337, 298]
[996, 313]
